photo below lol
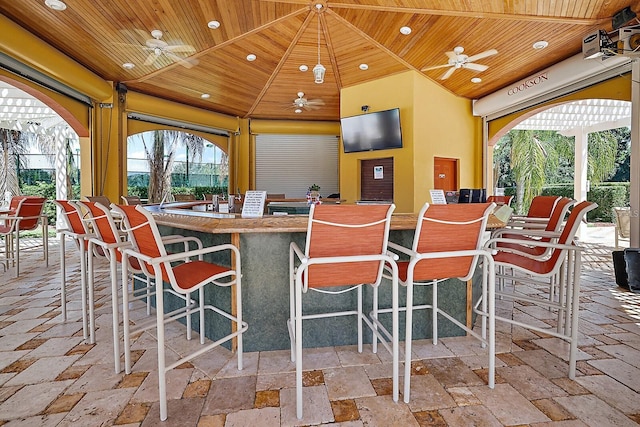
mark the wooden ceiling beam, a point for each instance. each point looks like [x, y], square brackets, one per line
[472, 14]
[371, 40]
[225, 43]
[284, 58]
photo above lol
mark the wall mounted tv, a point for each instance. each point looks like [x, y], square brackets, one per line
[374, 131]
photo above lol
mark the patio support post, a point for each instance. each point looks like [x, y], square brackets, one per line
[634, 178]
[581, 147]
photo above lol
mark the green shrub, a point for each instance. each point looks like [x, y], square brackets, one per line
[607, 195]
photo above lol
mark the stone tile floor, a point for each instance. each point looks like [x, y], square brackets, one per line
[49, 376]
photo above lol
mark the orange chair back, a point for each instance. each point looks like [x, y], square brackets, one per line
[131, 200]
[542, 206]
[144, 235]
[73, 219]
[448, 228]
[347, 230]
[30, 209]
[103, 224]
[103, 200]
[500, 200]
[14, 203]
[559, 212]
[72, 216]
[573, 222]
[566, 238]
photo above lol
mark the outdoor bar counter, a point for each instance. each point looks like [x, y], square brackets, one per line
[264, 248]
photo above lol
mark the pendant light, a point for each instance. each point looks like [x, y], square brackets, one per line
[319, 69]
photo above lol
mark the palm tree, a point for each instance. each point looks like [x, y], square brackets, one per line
[528, 158]
[536, 157]
[13, 147]
[160, 154]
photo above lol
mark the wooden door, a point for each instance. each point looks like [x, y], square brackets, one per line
[376, 179]
[445, 174]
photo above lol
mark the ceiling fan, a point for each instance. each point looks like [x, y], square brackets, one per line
[457, 60]
[308, 104]
[158, 48]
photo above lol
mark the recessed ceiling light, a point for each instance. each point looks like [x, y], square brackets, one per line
[251, 57]
[297, 111]
[55, 4]
[128, 65]
[540, 44]
[214, 25]
[205, 96]
[363, 67]
[303, 68]
[405, 30]
[476, 80]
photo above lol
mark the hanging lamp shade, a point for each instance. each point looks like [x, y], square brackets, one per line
[319, 69]
[318, 73]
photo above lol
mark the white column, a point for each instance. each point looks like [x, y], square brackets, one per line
[580, 168]
[581, 138]
[634, 191]
[60, 171]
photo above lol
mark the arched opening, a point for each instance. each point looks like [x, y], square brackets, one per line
[162, 163]
[40, 142]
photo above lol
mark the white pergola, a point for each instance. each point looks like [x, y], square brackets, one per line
[579, 119]
[22, 112]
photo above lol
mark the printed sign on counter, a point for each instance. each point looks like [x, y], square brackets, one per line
[253, 206]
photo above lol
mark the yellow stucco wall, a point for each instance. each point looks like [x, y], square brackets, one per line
[444, 126]
[434, 123]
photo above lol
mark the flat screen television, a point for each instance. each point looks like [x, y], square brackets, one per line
[373, 131]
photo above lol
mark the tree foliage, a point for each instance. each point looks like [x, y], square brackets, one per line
[160, 147]
[528, 160]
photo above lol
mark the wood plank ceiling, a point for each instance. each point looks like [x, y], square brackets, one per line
[284, 34]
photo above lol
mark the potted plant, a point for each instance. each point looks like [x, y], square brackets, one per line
[313, 194]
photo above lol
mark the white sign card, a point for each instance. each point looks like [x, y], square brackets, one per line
[378, 172]
[253, 206]
[438, 197]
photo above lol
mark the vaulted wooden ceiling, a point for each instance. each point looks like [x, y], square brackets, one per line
[284, 34]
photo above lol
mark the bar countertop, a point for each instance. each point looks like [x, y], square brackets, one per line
[178, 215]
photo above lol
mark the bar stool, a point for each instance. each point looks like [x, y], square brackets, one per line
[448, 244]
[565, 257]
[79, 233]
[346, 248]
[184, 274]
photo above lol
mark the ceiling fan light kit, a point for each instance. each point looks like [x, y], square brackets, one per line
[319, 69]
[457, 60]
[301, 103]
[159, 48]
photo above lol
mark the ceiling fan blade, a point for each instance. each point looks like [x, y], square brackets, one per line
[317, 101]
[183, 48]
[481, 55]
[150, 59]
[436, 67]
[451, 55]
[476, 67]
[185, 62]
[447, 74]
